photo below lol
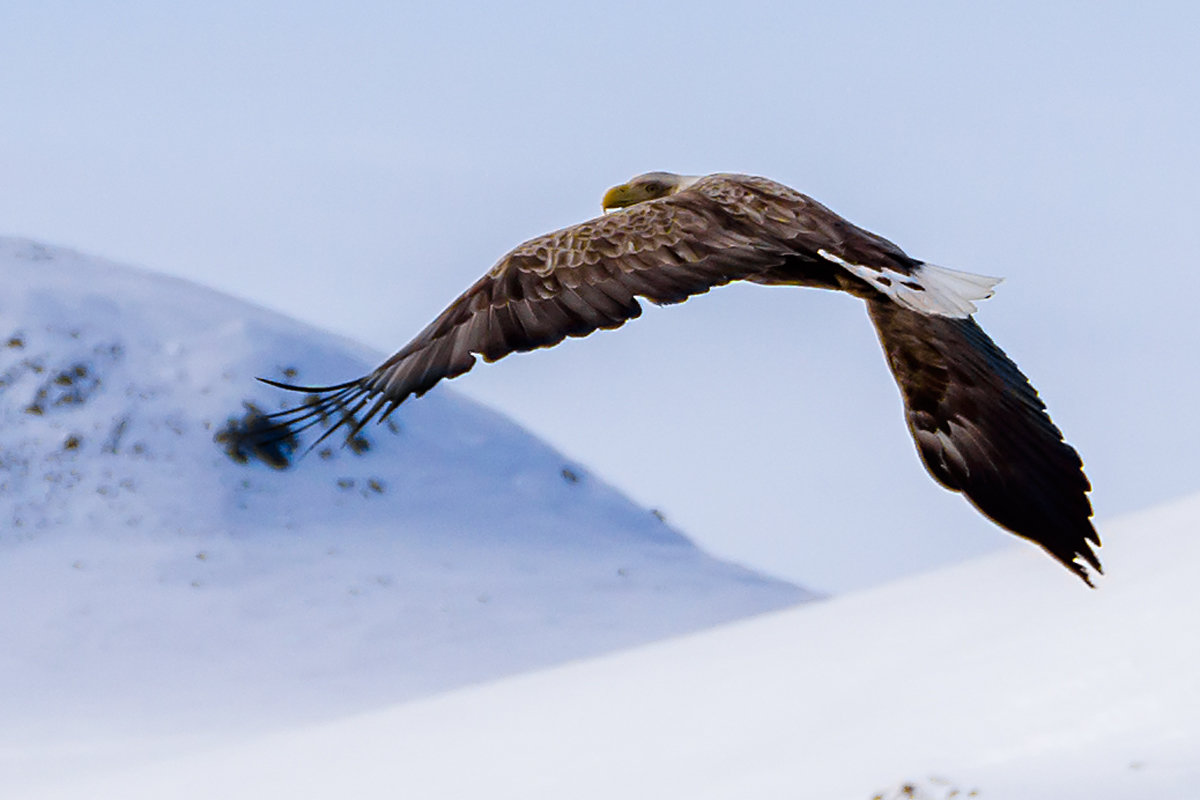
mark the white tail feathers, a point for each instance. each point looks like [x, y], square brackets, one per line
[951, 291]
[929, 289]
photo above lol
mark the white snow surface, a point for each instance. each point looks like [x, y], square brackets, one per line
[1000, 678]
[177, 625]
[157, 596]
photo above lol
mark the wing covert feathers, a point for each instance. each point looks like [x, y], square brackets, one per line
[982, 430]
[568, 283]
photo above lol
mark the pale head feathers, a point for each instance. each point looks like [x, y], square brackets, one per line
[650, 186]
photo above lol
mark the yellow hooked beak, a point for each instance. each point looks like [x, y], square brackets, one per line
[621, 196]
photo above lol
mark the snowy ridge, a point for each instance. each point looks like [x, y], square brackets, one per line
[997, 678]
[154, 586]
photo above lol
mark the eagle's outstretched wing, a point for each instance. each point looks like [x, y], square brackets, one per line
[567, 283]
[982, 430]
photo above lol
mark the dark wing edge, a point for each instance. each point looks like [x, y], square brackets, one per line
[522, 304]
[323, 403]
[982, 430]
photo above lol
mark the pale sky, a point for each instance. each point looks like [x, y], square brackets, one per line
[357, 165]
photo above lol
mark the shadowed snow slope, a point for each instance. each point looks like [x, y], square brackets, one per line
[154, 589]
[1002, 676]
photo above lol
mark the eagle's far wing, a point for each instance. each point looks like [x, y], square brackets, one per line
[982, 430]
[567, 283]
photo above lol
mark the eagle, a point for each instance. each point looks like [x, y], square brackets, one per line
[979, 426]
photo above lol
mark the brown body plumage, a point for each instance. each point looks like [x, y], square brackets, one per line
[979, 426]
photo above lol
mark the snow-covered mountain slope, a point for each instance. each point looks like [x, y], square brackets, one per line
[150, 584]
[1000, 676]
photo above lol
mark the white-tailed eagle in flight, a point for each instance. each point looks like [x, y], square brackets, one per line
[979, 426]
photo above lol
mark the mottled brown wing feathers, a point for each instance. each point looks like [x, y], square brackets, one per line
[982, 430]
[568, 283]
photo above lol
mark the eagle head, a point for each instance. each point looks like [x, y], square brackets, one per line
[650, 186]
